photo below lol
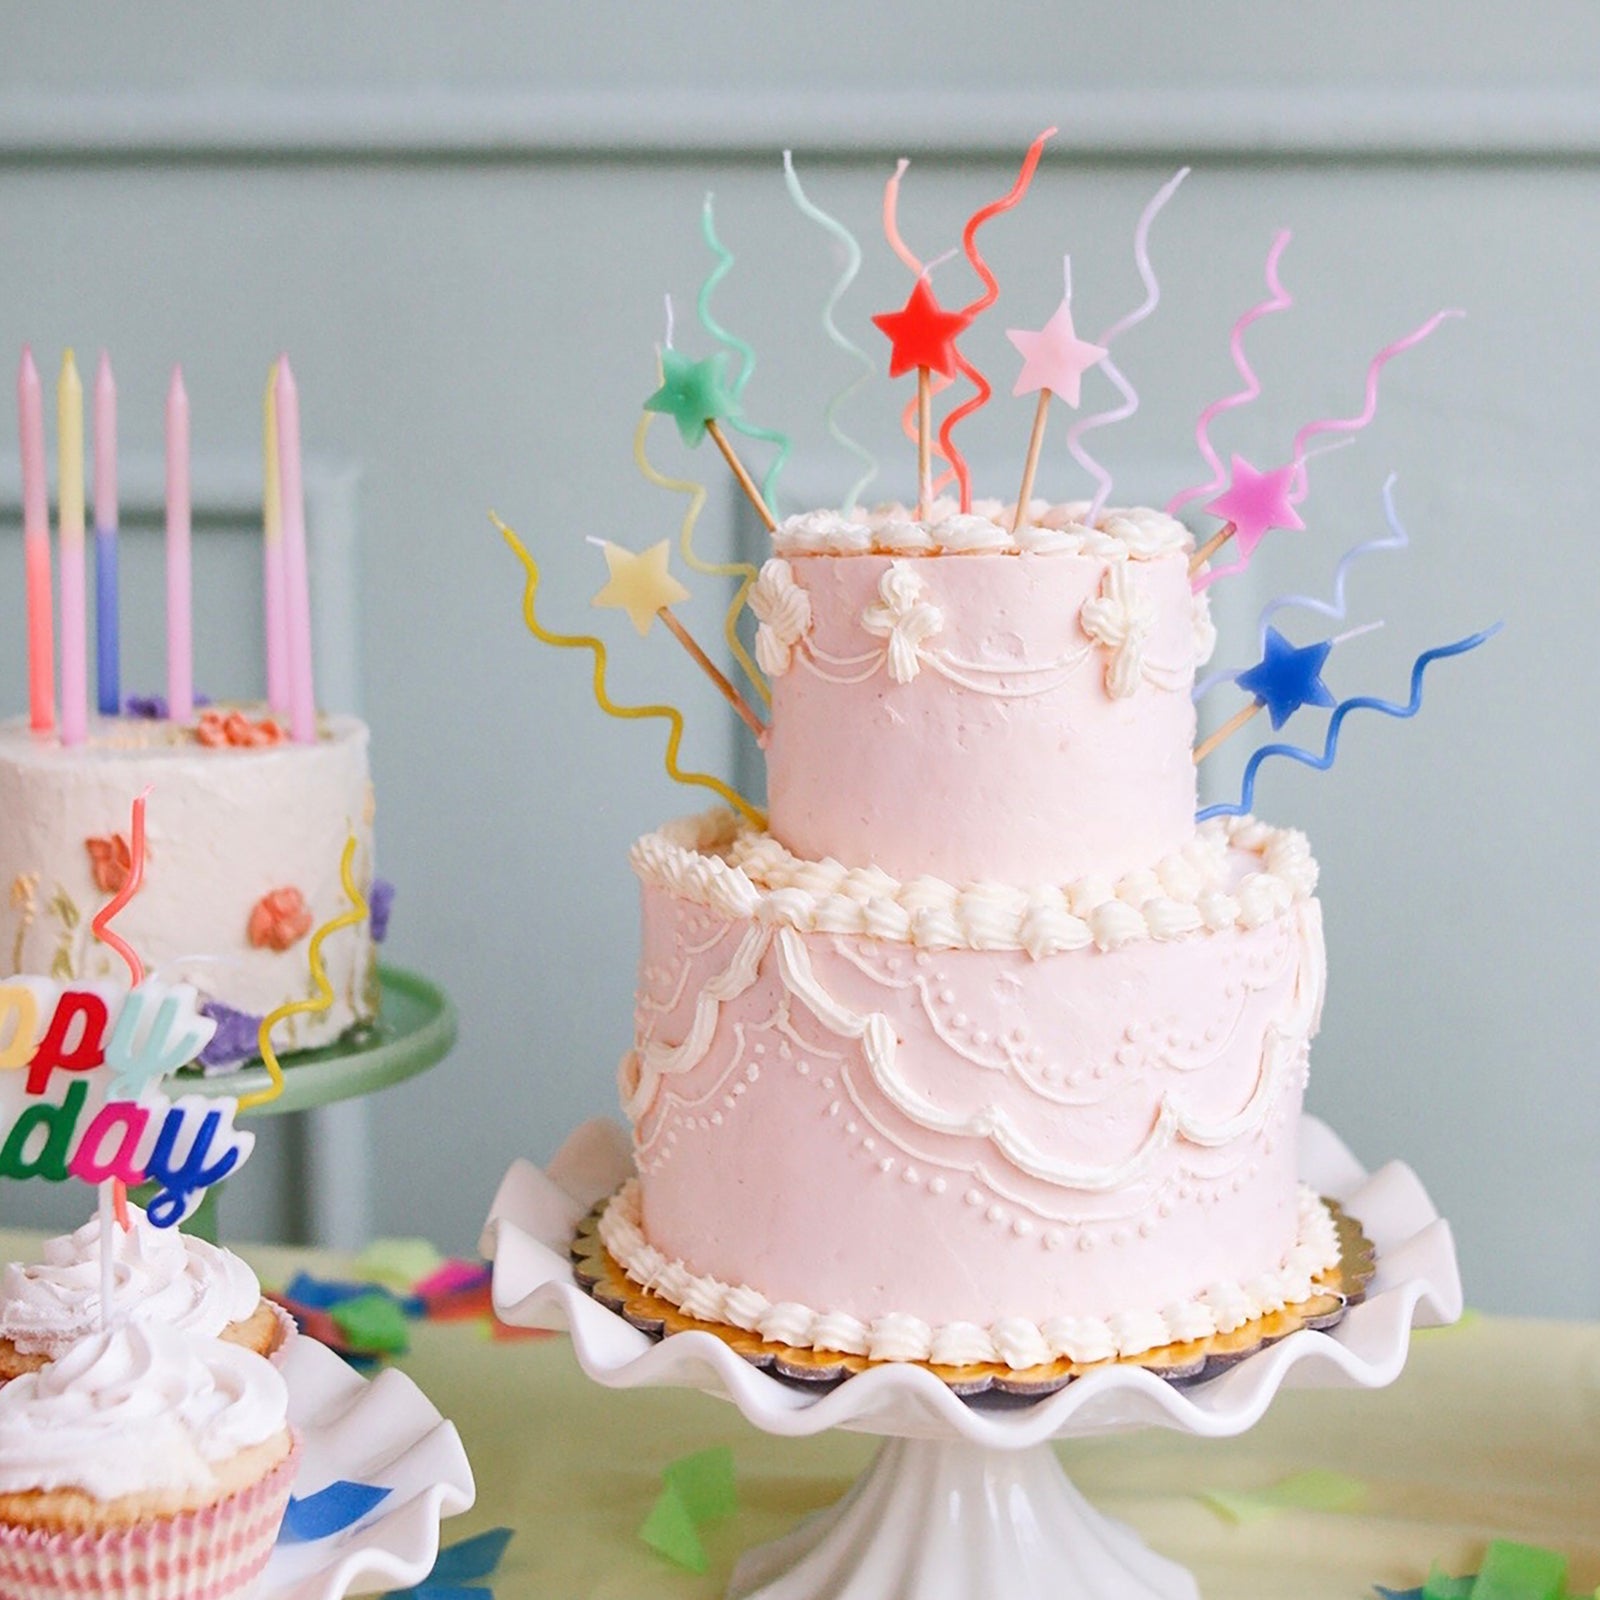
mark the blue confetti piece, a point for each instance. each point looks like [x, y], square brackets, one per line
[453, 1572]
[323, 1294]
[329, 1511]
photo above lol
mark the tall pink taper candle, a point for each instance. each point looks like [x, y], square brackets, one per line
[107, 602]
[36, 548]
[277, 618]
[180, 638]
[302, 692]
[74, 565]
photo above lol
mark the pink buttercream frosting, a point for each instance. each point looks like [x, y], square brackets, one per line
[960, 723]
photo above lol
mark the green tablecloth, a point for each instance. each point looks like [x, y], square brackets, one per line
[1493, 1430]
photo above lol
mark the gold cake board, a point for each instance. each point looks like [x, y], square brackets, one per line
[1339, 1287]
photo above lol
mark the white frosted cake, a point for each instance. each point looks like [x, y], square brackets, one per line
[982, 1051]
[244, 846]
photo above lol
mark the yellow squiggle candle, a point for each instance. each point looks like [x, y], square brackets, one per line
[323, 1000]
[584, 641]
[692, 558]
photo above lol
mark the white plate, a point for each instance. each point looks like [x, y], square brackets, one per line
[1417, 1281]
[386, 1432]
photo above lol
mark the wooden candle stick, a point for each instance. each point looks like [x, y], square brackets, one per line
[924, 441]
[714, 673]
[1210, 548]
[1031, 465]
[1225, 732]
[746, 482]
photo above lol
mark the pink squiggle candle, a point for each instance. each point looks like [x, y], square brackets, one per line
[302, 691]
[1369, 409]
[1278, 299]
[180, 619]
[1152, 298]
[36, 548]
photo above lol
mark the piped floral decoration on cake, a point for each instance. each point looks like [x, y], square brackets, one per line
[218, 730]
[279, 920]
[783, 612]
[110, 862]
[905, 617]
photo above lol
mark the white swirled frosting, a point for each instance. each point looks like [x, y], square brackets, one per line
[140, 1408]
[1133, 533]
[162, 1276]
[1235, 872]
[1014, 1341]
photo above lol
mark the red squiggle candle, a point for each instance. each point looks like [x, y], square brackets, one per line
[991, 292]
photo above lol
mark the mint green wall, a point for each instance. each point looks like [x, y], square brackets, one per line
[461, 220]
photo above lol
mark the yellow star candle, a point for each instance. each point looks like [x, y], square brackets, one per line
[742, 570]
[642, 585]
[585, 641]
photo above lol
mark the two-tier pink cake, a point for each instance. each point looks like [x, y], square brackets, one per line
[982, 1051]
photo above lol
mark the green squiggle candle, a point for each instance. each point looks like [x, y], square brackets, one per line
[741, 347]
[852, 266]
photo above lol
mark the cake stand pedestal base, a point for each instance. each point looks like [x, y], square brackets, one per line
[949, 1520]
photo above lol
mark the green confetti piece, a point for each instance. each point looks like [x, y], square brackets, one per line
[1441, 1586]
[374, 1324]
[669, 1530]
[704, 1482]
[398, 1264]
[1513, 1571]
[1305, 1491]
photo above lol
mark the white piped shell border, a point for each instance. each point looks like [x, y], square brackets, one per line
[1014, 1341]
[719, 861]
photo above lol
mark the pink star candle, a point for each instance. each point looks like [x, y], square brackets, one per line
[74, 571]
[273, 580]
[302, 692]
[36, 548]
[107, 630]
[180, 630]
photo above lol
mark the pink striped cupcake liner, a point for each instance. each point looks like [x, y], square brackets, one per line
[288, 1332]
[213, 1554]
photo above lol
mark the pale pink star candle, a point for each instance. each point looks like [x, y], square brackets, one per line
[74, 566]
[273, 580]
[180, 621]
[36, 548]
[302, 693]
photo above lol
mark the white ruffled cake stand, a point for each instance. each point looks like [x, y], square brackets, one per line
[385, 1432]
[967, 1498]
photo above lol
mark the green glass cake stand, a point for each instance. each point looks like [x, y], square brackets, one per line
[414, 1030]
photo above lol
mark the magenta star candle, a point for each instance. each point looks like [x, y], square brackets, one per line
[302, 693]
[107, 618]
[36, 548]
[74, 570]
[180, 633]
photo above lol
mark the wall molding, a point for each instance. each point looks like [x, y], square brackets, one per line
[1397, 123]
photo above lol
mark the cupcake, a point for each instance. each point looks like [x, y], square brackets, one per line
[161, 1276]
[142, 1464]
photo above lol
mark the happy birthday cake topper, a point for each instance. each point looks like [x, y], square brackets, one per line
[81, 1068]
